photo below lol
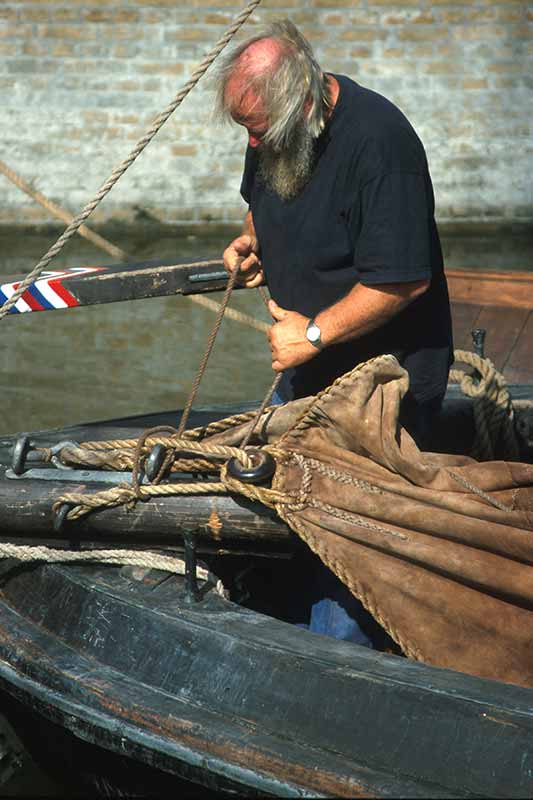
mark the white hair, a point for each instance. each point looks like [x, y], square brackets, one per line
[291, 89]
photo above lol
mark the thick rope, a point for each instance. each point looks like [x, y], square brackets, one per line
[188, 436]
[137, 150]
[142, 558]
[126, 494]
[492, 405]
[119, 557]
[123, 459]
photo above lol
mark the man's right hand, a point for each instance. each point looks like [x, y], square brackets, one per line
[242, 254]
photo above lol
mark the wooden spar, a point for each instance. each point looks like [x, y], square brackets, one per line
[96, 284]
[93, 285]
[220, 523]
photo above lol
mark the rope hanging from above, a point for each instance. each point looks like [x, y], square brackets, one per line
[117, 173]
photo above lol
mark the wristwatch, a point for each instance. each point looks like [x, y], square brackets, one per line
[314, 334]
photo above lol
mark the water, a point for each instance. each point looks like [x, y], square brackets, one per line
[123, 358]
[127, 358]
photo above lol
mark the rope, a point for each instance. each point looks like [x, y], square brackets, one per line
[260, 411]
[123, 459]
[119, 557]
[59, 212]
[137, 150]
[191, 435]
[209, 347]
[126, 494]
[492, 405]
[232, 313]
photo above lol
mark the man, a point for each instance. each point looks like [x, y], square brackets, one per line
[340, 224]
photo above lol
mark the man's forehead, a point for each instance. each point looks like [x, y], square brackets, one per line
[245, 104]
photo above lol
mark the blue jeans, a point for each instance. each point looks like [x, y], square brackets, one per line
[319, 601]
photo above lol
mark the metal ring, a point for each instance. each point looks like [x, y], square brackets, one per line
[55, 452]
[154, 462]
[263, 469]
[20, 451]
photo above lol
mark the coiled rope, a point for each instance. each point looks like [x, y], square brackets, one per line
[492, 405]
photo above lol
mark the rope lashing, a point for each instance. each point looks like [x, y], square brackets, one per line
[126, 494]
[188, 436]
[117, 173]
[123, 459]
[492, 405]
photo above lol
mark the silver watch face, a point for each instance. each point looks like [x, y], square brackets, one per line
[313, 333]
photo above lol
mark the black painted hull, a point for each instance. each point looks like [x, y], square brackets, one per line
[112, 674]
[235, 700]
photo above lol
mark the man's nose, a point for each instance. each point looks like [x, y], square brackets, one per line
[253, 141]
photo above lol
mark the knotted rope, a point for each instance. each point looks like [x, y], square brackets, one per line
[492, 405]
[117, 173]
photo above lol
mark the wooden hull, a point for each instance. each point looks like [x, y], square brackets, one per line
[236, 701]
[114, 678]
[491, 288]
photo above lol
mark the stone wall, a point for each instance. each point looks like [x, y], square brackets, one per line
[81, 80]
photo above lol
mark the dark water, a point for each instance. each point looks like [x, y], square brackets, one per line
[126, 358]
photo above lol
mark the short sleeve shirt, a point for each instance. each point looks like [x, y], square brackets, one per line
[366, 215]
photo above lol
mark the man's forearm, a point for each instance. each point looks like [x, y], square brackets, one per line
[364, 309]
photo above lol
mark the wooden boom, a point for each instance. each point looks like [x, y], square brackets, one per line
[92, 285]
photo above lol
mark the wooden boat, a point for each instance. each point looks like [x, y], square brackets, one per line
[117, 679]
[123, 682]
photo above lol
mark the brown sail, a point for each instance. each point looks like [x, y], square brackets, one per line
[439, 548]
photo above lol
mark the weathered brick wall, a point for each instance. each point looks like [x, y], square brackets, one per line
[82, 79]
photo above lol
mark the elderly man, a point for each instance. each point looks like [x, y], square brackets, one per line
[340, 224]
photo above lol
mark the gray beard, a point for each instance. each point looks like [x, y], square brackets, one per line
[287, 171]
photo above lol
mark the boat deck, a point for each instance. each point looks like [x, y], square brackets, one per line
[509, 342]
[502, 303]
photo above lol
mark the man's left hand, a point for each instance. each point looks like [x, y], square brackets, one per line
[288, 342]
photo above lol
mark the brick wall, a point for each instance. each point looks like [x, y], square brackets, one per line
[82, 79]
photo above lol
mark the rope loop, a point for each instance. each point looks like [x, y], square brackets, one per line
[493, 408]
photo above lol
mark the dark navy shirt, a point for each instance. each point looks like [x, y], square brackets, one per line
[366, 215]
